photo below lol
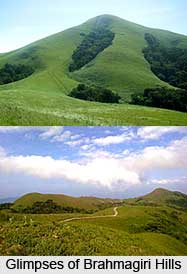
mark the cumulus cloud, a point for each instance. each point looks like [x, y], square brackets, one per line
[105, 169]
[154, 133]
[173, 156]
[97, 171]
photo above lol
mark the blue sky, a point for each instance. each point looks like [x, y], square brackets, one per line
[23, 22]
[98, 161]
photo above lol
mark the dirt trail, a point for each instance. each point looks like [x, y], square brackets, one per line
[92, 217]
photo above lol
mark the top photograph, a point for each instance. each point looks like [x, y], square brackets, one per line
[93, 63]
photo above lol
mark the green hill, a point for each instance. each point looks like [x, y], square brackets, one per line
[41, 99]
[86, 203]
[161, 197]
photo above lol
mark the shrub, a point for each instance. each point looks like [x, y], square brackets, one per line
[95, 93]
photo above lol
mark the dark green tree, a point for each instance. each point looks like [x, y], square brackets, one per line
[92, 44]
[167, 63]
[11, 73]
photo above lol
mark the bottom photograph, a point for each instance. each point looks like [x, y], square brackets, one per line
[93, 191]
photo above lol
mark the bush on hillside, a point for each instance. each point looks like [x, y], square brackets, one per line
[95, 93]
[50, 207]
[162, 98]
[12, 73]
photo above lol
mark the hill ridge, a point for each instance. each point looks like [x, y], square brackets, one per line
[85, 202]
[158, 194]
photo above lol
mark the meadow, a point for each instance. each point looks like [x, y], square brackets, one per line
[136, 230]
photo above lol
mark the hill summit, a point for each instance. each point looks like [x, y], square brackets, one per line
[161, 197]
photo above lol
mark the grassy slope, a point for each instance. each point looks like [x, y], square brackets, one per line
[63, 200]
[132, 222]
[41, 99]
[122, 66]
[123, 235]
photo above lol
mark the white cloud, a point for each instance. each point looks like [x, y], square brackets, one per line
[126, 152]
[75, 137]
[51, 132]
[97, 171]
[9, 129]
[112, 139]
[101, 167]
[62, 137]
[154, 133]
[86, 147]
[44, 132]
[74, 143]
[16, 129]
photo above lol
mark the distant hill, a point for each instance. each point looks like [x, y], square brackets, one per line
[118, 64]
[161, 197]
[87, 203]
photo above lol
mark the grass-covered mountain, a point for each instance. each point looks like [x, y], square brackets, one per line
[82, 203]
[105, 51]
[161, 197]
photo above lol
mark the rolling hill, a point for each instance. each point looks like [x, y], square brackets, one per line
[63, 200]
[161, 197]
[41, 98]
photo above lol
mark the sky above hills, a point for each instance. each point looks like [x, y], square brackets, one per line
[23, 22]
[97, 161]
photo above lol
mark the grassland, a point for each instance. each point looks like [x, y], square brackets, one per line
[135, 230]
[41, 99]
[125, 234]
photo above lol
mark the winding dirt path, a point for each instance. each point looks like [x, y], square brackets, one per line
[116, 213]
